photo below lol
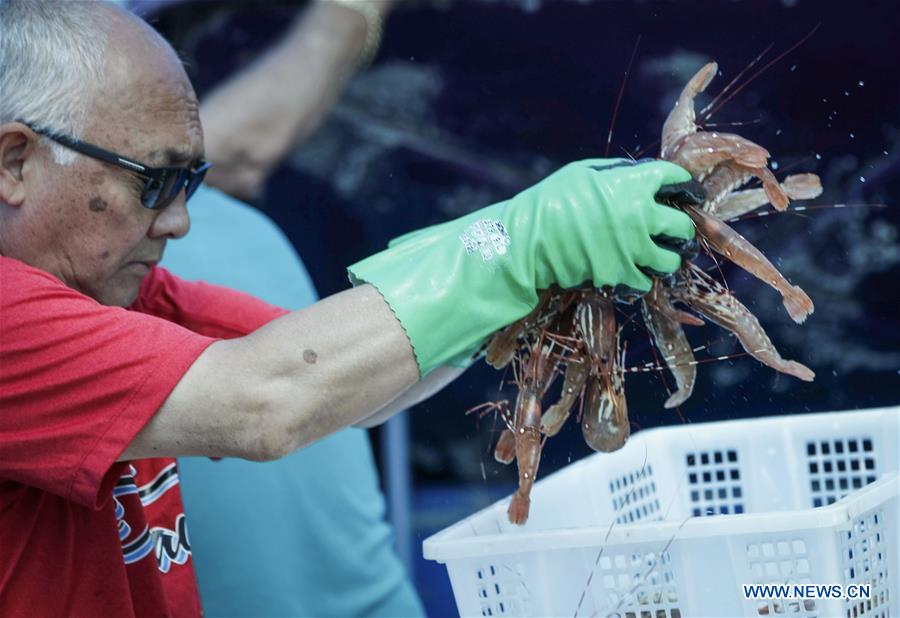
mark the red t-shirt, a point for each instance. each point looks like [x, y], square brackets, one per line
[82, 535]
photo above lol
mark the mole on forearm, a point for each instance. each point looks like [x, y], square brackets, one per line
[310, 356]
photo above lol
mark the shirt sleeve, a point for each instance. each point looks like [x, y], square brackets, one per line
[204, 308]
[78, 380]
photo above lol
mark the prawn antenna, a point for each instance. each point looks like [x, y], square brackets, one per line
[796, 210]
[706, 114]
[612, 121]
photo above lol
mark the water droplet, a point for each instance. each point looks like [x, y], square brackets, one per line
[793, 68]
[824, 100]
[778, 132]
[774, 165]
[862, 178]
[818, 156]
[884, 151]
[852, 136]
[846, 94]
[861, 83]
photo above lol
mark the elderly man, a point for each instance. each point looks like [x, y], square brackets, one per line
[111, 366]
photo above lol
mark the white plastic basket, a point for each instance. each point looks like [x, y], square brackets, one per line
[619, 534]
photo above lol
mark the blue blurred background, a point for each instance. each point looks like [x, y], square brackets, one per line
[469, 102]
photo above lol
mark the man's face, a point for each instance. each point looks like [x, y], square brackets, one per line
[93, 231]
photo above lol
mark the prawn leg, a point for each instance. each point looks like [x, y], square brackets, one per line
[737, 203]
[739, 250]
[681, 121]
[604, 425]
[573, 384]
[673, 344]
[505, 450]
[527, 427]
[707, 296]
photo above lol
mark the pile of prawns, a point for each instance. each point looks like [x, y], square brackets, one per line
[574, 332]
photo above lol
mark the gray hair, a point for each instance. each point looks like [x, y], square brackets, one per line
[52, 61]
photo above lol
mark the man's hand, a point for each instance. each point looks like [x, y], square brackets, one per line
[454, 284]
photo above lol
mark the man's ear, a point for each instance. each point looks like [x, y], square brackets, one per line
[17, 144]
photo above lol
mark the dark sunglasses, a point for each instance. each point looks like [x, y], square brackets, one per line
[161, 185]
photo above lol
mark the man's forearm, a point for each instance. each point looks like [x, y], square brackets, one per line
[293, 381]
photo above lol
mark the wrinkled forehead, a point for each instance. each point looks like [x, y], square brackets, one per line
[148, 104]
[161, 116]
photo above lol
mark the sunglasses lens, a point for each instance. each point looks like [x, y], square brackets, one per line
[173, 181]
[150, 196]
[163, 189]
[195, 180]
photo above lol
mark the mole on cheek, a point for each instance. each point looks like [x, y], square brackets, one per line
[104, 255]
[310, 356]
[97, 204]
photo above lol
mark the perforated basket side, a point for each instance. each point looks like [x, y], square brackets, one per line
[492, 585]
[792, 557]
[691, 568]
[602, 548]
[711, 468]
[630, 579]
[843, 452]
[773, 464]
[870, 554]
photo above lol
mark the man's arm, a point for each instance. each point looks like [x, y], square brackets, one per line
[449, 286]
[293, 381]
[252, 120]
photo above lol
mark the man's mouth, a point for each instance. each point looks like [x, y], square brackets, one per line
[148, 262]
[142, 264]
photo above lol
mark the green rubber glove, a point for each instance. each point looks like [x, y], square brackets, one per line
[452, 285]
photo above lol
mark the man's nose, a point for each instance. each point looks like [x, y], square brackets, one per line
[172, 221]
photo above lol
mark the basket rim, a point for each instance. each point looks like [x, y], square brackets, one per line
[447, 545]
[841, 513]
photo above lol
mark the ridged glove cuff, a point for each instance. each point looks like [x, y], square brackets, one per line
[451, 290]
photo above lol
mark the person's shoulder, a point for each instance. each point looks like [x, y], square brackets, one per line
[34, 301]
[19, 280]
[11, 267]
